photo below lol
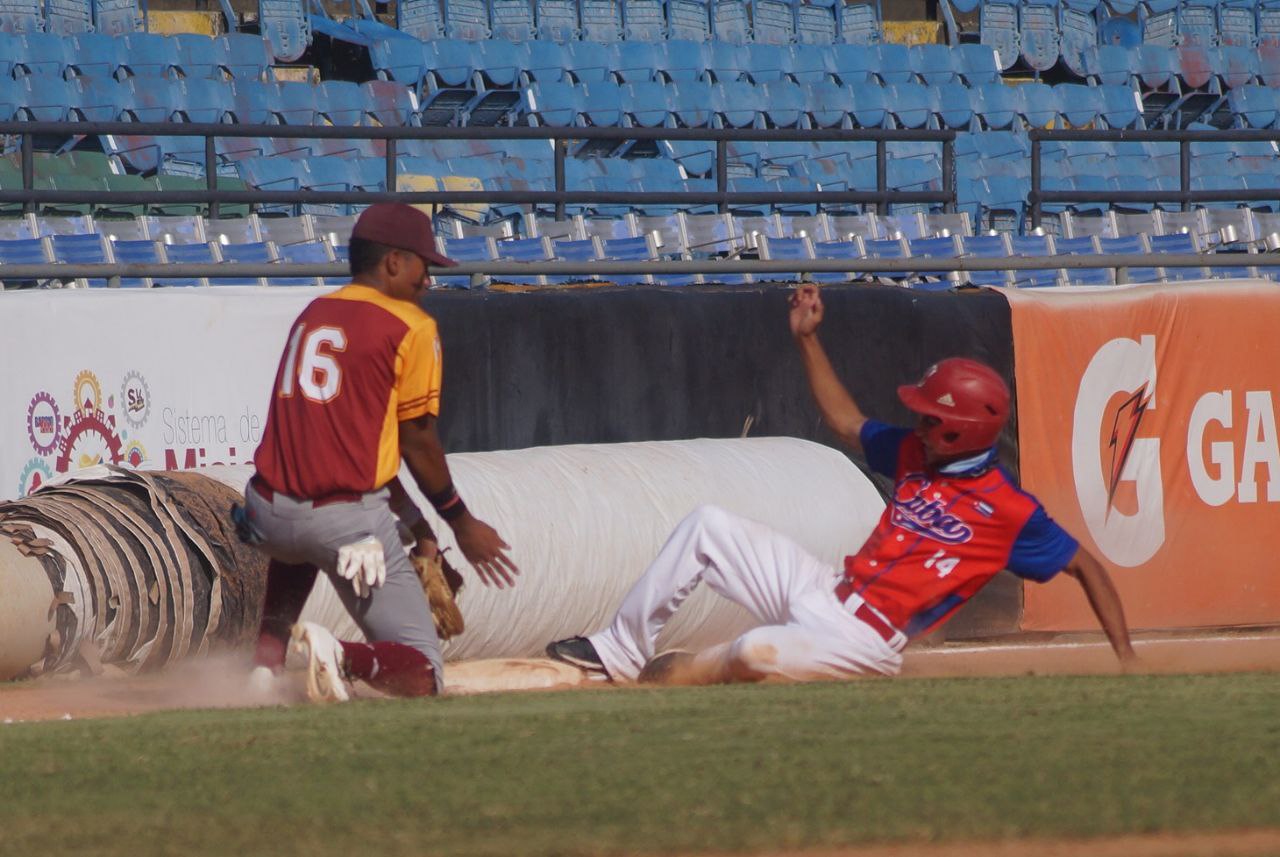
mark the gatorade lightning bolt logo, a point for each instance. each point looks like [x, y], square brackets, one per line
[1124, 428]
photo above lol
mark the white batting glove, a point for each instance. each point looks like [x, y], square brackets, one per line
[363, 564]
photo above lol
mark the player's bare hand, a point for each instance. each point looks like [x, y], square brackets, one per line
[486, 551]
[806, 310]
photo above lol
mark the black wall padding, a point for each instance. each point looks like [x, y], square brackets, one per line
[613, 365]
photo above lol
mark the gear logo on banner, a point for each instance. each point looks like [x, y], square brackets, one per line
[135, 399]
[1117, 473]
[89, 434]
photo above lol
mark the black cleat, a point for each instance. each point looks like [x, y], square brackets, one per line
[666, 668]
[578, 652]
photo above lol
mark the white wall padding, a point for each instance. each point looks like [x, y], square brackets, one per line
[584, 522]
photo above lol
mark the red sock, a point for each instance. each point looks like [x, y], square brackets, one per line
[393, 668]
[287, 589]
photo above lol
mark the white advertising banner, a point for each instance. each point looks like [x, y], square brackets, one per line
[173, 379]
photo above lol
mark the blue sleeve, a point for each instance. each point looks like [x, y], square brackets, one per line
[1043, 548]
[880, 444]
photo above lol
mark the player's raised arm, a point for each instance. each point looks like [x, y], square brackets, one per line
[1105, 602]
[839, 411]
[480, 543]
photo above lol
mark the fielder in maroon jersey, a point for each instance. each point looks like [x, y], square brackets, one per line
[358, 391]
[954, 520]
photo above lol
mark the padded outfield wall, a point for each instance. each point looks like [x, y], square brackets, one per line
[179, 378]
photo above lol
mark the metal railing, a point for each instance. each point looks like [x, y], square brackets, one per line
[1184, 195]
[523, 270]
[559, 196]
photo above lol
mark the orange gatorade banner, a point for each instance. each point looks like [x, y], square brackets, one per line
[1147, 427]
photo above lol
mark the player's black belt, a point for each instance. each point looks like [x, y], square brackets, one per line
[266, 492]
[865, 613]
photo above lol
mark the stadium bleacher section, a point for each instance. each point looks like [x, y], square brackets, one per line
[756, 64]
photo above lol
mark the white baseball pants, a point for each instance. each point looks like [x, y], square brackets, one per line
[806, 632]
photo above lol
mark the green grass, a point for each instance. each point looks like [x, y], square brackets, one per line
[656, 771]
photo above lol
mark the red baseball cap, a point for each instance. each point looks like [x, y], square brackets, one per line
[402, 227]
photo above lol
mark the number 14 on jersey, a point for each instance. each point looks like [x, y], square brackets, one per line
[945, 564]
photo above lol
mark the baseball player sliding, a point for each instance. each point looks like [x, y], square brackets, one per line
[955, 519]
[357, 391]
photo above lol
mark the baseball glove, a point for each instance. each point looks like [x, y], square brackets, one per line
[442, 583]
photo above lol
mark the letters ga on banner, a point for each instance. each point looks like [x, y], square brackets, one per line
[1147, 427]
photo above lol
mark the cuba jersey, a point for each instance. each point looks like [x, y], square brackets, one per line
[356, 364]
[945, 533]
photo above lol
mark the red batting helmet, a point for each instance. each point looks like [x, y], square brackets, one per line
[969, 399]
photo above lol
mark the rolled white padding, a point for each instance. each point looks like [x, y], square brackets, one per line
[584, 521]
[26, 617]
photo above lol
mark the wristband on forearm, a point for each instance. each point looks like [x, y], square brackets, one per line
[448, 504]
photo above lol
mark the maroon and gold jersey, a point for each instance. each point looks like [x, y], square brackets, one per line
[356, 364]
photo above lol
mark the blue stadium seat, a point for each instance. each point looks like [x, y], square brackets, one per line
[891, 63]
[286, 28]
[260, 252]
[1080, 104]
[773, 22]
[199, 99]
[295, 103]
[783, 249]
[731, 21]
[558, 20]
[766, 63]
[638, 248]
[947, 247]
[986, 247]
[724, 61]
[511, 20]
[136, 252]
[1037, 104]
[399, 59]
[648, 104]
[786, 105]
[474, 249]
[1083, 246]
[537, 249]
[808, 65]
[148, 55]
[22, 16]
[187, 254]
[691, 105]
[588, 62]
[1238, 23]
[1131, 245]
[602, 107]
[996, 106]
[499, 63]
[340, 102]
[544, 62]
[952, 106]
[1254, 106]
[95, 55]
[45, 98]
[243, 56]
[910, 104]
[998, 30]
[118, 17]
[41, 53]
[816, 22]
[420, 19]
[829, 105]
[1178, 243]
[860, 23]
[850, 249]
[1033, 245]
[976, 64]
[1236, 66]
[1038, 35]
[737, 104]
[933, 64]
[688, 19]
[601, 20]
[555, 105]
[852, 65]
[633, 62]
[82, 250]
[1121, 107]
[389, 103]
[1078, 27]
[196, 55]
[870, 106]
[308, 253]
[644, 20]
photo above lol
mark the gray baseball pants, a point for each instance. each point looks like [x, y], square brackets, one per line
[297, 532]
